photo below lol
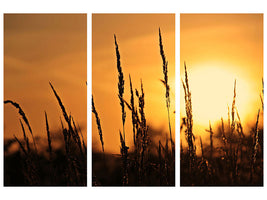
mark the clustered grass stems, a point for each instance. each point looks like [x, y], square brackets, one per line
[142, 158]
[124, 155]
[234, 144]
[31, 174]
[124, 148]
[69, 120]
[98, 123]
[84, 146]
[140, 130]
[76, 136]
[233, 154]
[136, 124]
[142, 136]
[167, 87]
[189, 121]
[25, 119]
[76, 175]
[75, 171]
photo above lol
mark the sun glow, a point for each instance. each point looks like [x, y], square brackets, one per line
[212, 89]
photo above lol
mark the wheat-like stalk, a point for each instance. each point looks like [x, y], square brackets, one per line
[120, 85]
[25, 119]
[76, 136]
[142, 136]
[189, 119]
[61, 105]
[84, 146]
[98, 123]
[67, 119]
[134, 122]
[167, 87]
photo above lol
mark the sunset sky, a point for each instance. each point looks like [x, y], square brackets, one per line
[219, 48]
[38, 49]
[138, 40]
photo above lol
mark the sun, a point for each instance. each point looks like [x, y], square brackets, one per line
[212, 89]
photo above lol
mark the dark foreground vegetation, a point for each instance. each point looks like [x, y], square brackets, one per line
[237, 158]
[36, 165]
[150, 162]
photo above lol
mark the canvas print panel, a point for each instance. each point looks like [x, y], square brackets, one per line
[45, 120]
[133, 99]
[221, 100]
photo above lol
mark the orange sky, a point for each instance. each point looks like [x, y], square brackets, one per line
[219, 48]
[138, 40]
[39, 48]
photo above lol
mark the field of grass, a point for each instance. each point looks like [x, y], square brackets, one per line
[46, 166]
[237, 158]
[151, 162]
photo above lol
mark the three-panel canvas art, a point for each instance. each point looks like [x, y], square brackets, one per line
[136, 76]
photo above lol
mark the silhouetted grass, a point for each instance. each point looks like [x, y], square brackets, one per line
[236, 160]
[30, 167]
[148, 163]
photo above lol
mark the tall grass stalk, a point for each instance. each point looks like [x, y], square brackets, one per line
[26, 139]
[48, 137]
[211, 141]
[124, 155]
[189, 120]
[167, 87]
[134, 121]
[233, 110]
[25, 119]
[124, 148]
[223, 133]
[64, 112]
[120, 86]
[98, 123]
[256, 139]
[202, 149]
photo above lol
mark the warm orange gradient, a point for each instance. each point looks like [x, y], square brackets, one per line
[138, 40]
[219, 48]
[38, 49]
